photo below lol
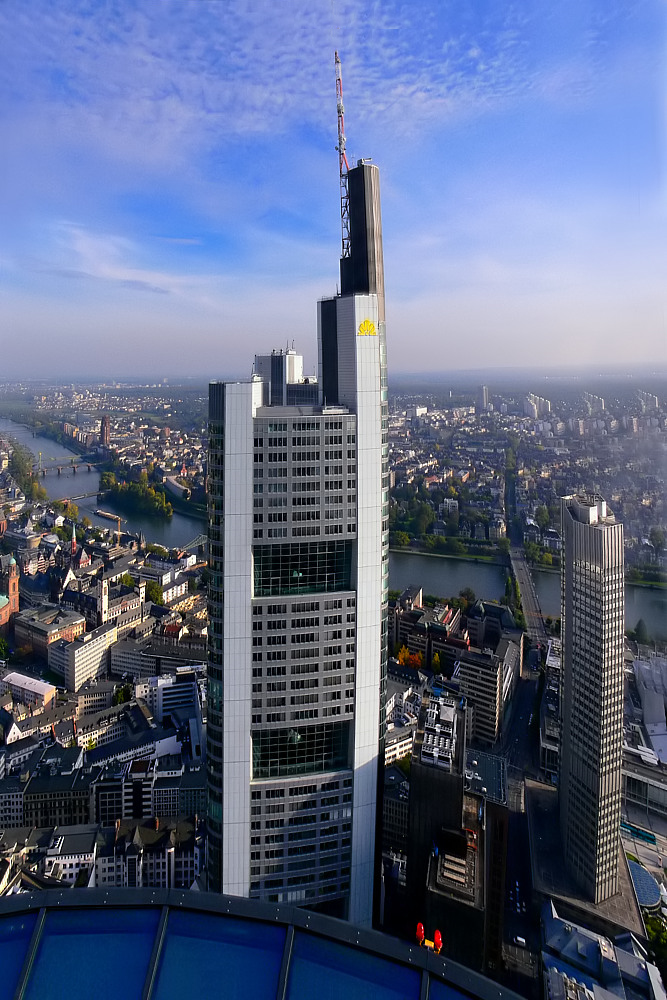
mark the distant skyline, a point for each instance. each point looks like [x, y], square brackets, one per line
[169, 189]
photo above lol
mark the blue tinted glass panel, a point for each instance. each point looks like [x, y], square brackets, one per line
[93, 953]
[442, 991]
[224, 956]
[330, 971]
[15, 934]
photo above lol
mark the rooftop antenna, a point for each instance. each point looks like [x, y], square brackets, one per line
[343, 165]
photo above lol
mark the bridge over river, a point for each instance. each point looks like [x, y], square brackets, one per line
[529, 598]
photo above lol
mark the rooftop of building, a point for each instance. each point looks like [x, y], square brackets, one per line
[29, 683]
[492, 609]
[127, 744]
[607, 968]
[550, 874]
[46, 618]
[97, 685]
[589, 508]
[396, 783]
[486, 774]
[171, 939]
[73, 839]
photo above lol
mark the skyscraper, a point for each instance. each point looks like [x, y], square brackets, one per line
[298, 529]
[105, 430]
[592, 631]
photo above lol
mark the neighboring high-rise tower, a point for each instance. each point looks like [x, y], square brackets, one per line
[592, 630]
[298, 509]
[105, 431]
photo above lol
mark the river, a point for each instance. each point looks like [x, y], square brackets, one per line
[170, 532]
[443, 577]
[447, 577]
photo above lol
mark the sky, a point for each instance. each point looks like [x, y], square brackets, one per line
[169, 199]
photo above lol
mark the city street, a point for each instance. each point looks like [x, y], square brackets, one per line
[520, 743]
[521, 751]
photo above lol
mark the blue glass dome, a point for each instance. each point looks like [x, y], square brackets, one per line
[168, 944]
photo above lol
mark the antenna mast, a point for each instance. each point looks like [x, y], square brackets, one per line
[343, 165]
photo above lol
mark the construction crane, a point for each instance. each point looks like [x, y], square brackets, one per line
[343, 165]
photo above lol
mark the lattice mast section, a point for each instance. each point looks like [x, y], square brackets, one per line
[343, 165]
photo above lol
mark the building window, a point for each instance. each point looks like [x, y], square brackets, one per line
[304, 567]
[283, 752]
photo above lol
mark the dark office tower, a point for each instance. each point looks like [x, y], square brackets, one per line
[592, 630]
[105, 431]
[298, 509]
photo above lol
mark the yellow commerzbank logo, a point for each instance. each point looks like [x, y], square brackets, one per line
[367, 329]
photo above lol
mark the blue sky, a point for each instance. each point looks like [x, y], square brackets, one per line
[169, 189]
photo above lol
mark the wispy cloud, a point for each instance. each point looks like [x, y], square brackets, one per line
[158, 78]
[190, 142]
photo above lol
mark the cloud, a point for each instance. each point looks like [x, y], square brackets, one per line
[193, 145]
[158, 79]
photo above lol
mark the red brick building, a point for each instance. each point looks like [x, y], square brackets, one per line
[9, 596]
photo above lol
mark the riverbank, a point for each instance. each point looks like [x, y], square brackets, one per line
[448, 576]
[648, 584]
[51, 431]
[172, 532]
[495, 560]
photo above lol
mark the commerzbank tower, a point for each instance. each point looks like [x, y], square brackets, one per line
[298, 538]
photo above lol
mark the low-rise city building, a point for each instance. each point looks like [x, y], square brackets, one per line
[84, 658]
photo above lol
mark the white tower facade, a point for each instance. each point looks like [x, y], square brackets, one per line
[298, 530]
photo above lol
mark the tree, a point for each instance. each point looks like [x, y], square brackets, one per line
[158, 550]
[532, 551]
[122, 694]
[86, 522]
[468, 595]
[415, 660]
[641, 632]
[154, 592]
[435, 663]
[504, 546]
[127, 580]
[423, 519]
[4, 649]
[37, 492]
[403, 655]
[107, 481]
[400, 538]
[72, 512]
[546, 559]
[542, 518]
[455, 547]
[656, 537]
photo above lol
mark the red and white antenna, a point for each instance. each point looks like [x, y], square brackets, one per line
[343, 165]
